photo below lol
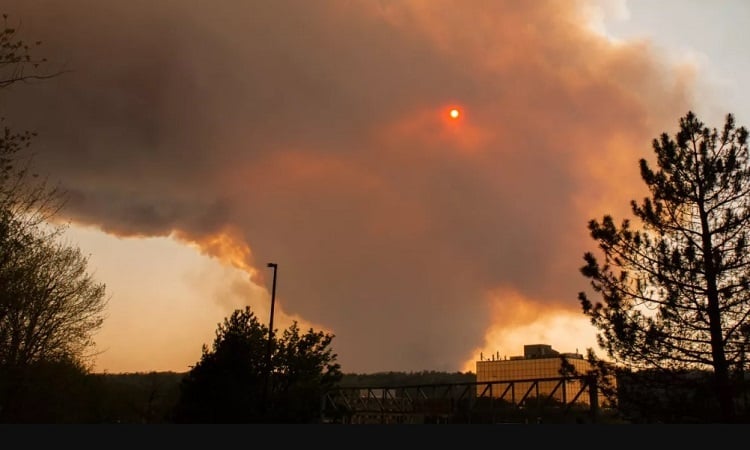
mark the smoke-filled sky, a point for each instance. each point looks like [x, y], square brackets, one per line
[198, 141]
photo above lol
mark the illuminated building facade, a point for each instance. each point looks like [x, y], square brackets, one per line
[539, 361]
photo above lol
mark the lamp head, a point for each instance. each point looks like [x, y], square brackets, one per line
[271, 264]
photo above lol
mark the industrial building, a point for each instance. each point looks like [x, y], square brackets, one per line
[519, 378]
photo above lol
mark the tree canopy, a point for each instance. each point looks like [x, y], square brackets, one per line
[232, 382]
[674, 283]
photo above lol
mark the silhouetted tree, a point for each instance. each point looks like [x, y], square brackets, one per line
[49, 305]
[227, 384]
[25, 200]
[674, 287]
[17, 64]
[304, 368]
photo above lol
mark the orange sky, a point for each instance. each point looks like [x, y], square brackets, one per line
[200, 140]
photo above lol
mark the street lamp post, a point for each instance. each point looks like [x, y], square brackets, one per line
[273, 301]
[274, 266]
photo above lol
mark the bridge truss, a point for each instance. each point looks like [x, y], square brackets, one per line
[559, 399]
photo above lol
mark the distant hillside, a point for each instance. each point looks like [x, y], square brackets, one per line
[148, 397]
[137, 397]
[150, 380]
[393, 379]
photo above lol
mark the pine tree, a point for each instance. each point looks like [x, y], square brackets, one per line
[674, 285]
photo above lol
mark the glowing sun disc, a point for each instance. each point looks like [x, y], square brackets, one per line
[454, 113]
